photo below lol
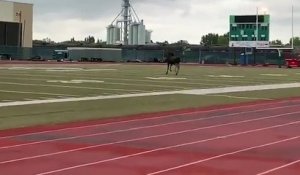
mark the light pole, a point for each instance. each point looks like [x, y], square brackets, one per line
[200, 55]
[19, 14]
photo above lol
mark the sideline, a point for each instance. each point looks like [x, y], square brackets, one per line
[185, 92]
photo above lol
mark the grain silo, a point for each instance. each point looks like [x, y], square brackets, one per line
[137, 33]
[132, 30]
[148, 36]
[113, 34]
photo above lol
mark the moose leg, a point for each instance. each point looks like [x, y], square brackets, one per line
[168, 67]
[177, 68]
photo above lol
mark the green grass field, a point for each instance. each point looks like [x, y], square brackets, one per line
[20, 83]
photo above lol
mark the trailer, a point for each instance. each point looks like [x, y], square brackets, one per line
[94, 54]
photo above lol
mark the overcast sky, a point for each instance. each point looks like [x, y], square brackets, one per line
[170, 20]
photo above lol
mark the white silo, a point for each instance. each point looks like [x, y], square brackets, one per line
[116, 34]
[113, 34]
[135, 33]
[148, 36]
[130, 35]
[141, 33]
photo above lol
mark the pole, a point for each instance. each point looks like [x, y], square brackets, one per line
[126, 20]
[19, 14]
[292, 26]
[257, 25]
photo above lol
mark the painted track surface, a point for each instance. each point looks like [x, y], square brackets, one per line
[253, 139]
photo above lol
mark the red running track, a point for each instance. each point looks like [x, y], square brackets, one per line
[251, 139]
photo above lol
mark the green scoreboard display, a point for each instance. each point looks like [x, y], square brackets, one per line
[249, 31]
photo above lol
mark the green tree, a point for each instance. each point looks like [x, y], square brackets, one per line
[223, 40]
[296, 41]
[89, 40]
[210, 39]
[276, 42]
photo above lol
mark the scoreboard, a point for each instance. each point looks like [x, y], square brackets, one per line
[249, 31]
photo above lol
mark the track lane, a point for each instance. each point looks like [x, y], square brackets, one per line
[72, 145]
[136, 148]
[83, 126]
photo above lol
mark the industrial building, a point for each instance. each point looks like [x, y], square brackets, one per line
[16, 20]
[127, 28]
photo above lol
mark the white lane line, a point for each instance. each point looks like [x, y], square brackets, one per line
[223, 155]
[182, 145]
[187, 92]
[144, 138]
[151, 126]
[163, 117]
[238, 97]
[279, 168]
[38, 93]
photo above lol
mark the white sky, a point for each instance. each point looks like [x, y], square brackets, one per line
[170, 20]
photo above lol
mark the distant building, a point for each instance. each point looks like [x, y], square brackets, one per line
[16, 20]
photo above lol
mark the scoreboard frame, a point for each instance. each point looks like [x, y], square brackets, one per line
[249, 31]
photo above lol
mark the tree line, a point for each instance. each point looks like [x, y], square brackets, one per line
[210, 39]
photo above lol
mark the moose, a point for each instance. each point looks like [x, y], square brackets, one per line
[171, 60]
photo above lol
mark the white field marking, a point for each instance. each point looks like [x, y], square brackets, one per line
[165, 78]
[275, 75]
[37, 93]
[92, 70]
[237, 97]
[124, 79]
[162, 117]
[29, 99]
[226, 154]
[182, 145]
[44, 68]
[85, 70]
[74, 81]
[46, 98]
[7, 100]
[71, 87]
[93, 79]
[225, 76]
[160, 125]
[240, 89]
[187, 92]
[143, 138]
[278, 168]
[59, 69]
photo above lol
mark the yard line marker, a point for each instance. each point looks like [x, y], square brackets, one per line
[136, 139]
[8, 100]
[181, 145]
[29, 99]
[38, 93]
[278, 168]
[161, 117]
[71, 87]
